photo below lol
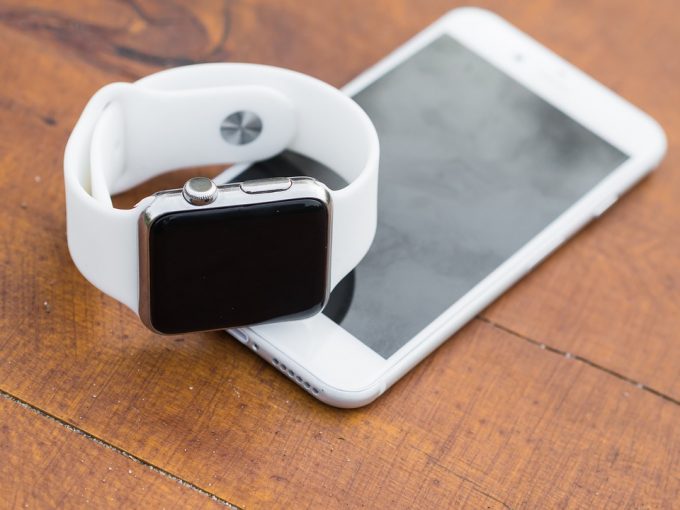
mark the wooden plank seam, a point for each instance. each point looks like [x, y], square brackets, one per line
[118, 450]
[576, 357]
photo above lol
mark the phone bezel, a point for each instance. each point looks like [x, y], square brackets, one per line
[338, 368]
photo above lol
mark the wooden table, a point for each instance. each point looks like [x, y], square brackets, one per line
[565, 393]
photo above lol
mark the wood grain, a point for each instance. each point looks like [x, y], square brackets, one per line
[45, 465]
[492, 413]
[490, 420]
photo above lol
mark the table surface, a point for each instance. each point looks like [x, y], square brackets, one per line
[564, 393]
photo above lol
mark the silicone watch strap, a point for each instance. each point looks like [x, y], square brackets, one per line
[129, 133]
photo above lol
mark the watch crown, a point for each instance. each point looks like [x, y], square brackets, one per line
[199, 191]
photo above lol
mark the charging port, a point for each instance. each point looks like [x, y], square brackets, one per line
[239, 335]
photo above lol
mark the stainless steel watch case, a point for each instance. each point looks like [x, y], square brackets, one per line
[261, 191]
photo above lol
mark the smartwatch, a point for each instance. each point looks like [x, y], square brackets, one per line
[213, 256]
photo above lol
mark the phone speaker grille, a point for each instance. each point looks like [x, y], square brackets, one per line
[295, 377]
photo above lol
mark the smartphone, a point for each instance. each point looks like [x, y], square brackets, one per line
[494, 151]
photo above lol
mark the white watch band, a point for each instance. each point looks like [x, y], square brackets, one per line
[129, 133]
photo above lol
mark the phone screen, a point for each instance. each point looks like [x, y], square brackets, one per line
[473, 165]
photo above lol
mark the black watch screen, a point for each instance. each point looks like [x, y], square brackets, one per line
[234, 266]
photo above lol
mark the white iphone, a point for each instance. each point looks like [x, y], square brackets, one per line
[494, 151]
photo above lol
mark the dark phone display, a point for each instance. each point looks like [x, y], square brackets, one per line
[206, 266]
[472, 166]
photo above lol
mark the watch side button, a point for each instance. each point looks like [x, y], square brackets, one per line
[266, 185]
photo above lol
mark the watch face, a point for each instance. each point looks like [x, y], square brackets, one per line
[232, 266]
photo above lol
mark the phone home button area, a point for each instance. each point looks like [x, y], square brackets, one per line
[266, 185]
